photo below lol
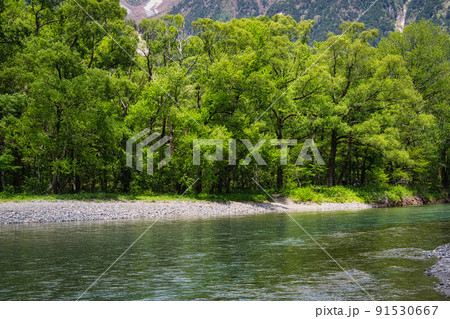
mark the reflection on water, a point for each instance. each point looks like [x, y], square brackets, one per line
[265, 257]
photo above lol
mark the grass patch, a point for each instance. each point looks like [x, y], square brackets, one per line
[364, 194]
[318, 194]
[250, 196]
[321, 194]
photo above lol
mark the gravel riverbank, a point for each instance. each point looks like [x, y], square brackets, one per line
[42, 211]
[442, 268]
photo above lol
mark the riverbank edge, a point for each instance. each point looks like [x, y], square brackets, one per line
[381, 202]
[55, 211]
[41, 211]
[441, 269]
[411, 201]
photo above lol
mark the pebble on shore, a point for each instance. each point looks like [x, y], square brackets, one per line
[441, 269]
[41, 211]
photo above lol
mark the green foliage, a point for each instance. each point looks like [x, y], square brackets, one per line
[320, 194]
[33, 186]
[365, 194]
[72, 91]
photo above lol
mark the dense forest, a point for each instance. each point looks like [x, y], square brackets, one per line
[77, 81]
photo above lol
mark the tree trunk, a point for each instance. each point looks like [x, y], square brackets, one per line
[198, 186]
[77, 183]
[331, 173]
[219, 184]
[445, 169]
[228, 185]
[364, 169]
[126, 180]
[347, 167]
[2, 178]
[280, 176]
[37, 25]
[389, 171]
[150, 69]
[18, 176]
[163, 127]
[280, 167]
[104, 182]
[171, 135]
[54, 185]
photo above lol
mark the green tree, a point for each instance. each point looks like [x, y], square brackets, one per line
[426, 51]
[363, 86]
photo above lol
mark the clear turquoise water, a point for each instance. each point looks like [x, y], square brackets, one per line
[265, 257]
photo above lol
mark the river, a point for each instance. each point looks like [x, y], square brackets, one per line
[257, 257]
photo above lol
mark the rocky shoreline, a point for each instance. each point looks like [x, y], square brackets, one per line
[441, 269]
[410, 201]
[42, 211]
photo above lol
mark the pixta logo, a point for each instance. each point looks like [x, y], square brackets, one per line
[253, 149]
[283, 145]
[150, 151]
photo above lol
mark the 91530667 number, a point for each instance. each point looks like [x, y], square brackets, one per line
[406, 310]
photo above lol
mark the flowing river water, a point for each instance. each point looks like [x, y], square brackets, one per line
[256, 257]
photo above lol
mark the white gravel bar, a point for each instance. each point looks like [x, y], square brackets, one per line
[43, 211]
[441, 269]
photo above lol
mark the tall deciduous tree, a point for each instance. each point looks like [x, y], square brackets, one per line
[426, 50]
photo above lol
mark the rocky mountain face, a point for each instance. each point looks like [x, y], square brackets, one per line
[385, 15]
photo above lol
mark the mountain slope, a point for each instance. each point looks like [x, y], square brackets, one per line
[384, 15]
